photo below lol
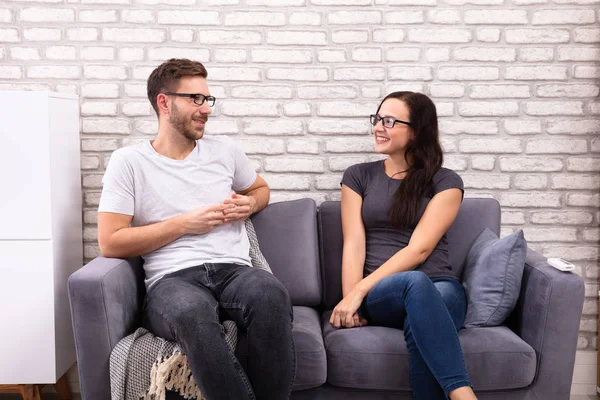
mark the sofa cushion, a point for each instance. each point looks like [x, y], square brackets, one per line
[287, 233]
[492, 277]
[311, 359]
[375, 357]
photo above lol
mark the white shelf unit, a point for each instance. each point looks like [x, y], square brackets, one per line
[40, 233]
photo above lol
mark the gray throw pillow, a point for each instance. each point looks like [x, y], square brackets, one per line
[492, 277]
[256, 256]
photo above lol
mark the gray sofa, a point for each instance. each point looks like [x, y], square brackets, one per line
[531, 357]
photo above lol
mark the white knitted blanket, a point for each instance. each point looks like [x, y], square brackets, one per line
[144, 366]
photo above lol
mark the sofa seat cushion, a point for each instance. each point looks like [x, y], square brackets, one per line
[375, 357]
[311, 359]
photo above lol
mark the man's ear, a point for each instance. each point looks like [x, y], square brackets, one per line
[162, 102]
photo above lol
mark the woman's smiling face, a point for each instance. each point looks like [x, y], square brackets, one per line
[395, 139]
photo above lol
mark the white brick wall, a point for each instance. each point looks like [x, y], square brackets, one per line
[516, 84]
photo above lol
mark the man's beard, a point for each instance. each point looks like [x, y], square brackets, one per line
[182, 125]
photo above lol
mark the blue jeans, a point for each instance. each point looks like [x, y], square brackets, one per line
[187, 307]
[430, 311]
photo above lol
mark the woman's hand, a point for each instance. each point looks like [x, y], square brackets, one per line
[345, 313]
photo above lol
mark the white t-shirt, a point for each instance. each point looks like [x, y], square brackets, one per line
[152, 188]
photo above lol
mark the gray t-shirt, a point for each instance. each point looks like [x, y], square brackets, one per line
[383, 240]
[152, 188]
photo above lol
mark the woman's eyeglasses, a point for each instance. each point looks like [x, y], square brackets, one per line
[388, 122]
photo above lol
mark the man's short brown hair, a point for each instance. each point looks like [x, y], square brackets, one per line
[166, 76]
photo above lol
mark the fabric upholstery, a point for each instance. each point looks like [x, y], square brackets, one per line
[375, 357]
[492, 277]
[287, 233]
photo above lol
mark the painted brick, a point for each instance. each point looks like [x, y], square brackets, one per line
[496, 17]
[499, 91]
[131, 54]
[556, 146]
[287, 181]
[98, 16]
[261, 146]
[235, 108]
[188, 17]
[490, 145]
[43, 14]
[331, 56]
[346, 37]
[453, 127]
[136, 35]
[24, 53]
[413, 73]
[345, 109]
[33, 34]
[498, 54]
[483, 163]
[326, 92]
[100, 90]
[553, 108]
[586, 35]
[568, 90]
[455, 163]
[571, 127]
[550, 234]
[297, 37]
[437, 54]
[450, 17]
[354, 17]
[488, 109]
[305, 18]
[402, 54]
[587, 72]
[366, 54]
[561, 217]
[231, 55]
[98, 108]
[572, 181]
[52, 71]
[536, 54]
[583, 164]
[325, 182]
[323, 126]
[395, 35]
[359, 73]
[578, 54]
[273, 127]
[61, 53]
[261, 92]
[468, 73]
[165, 53]
[530, 200]
[530, 182]
[557, 17]
[294, 164]
[530, 164]
[115, 126]
[296, 56]
[298, 74]
[297, 109]
[302, 146]
[439, 35]
[447, 90]
[488, 35]
[97, 53]
[536, 36]
[486, 181]
[404, 17]
[341, 163]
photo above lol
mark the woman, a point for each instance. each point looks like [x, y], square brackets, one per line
[395, 269]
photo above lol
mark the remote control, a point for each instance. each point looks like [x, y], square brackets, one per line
[561, 264]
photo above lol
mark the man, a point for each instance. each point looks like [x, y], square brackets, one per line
[170, 200]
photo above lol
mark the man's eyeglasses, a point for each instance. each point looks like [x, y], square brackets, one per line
[199, 99]
[388, 122]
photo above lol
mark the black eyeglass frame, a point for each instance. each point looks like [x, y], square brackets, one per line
[374, 119]
[210, 99]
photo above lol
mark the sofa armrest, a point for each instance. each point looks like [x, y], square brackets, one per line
[547, 316]
[106, 297]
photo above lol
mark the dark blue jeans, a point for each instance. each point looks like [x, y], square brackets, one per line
[187, 307]
[430, 311]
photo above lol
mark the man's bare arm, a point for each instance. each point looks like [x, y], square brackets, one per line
[249, 201]
[118, 240]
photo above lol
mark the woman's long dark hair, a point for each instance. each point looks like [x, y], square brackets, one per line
[424, 155]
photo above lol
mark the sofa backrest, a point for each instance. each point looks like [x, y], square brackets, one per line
[473, 217]
[287, 234]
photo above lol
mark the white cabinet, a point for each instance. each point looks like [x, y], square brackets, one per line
[40, 233]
